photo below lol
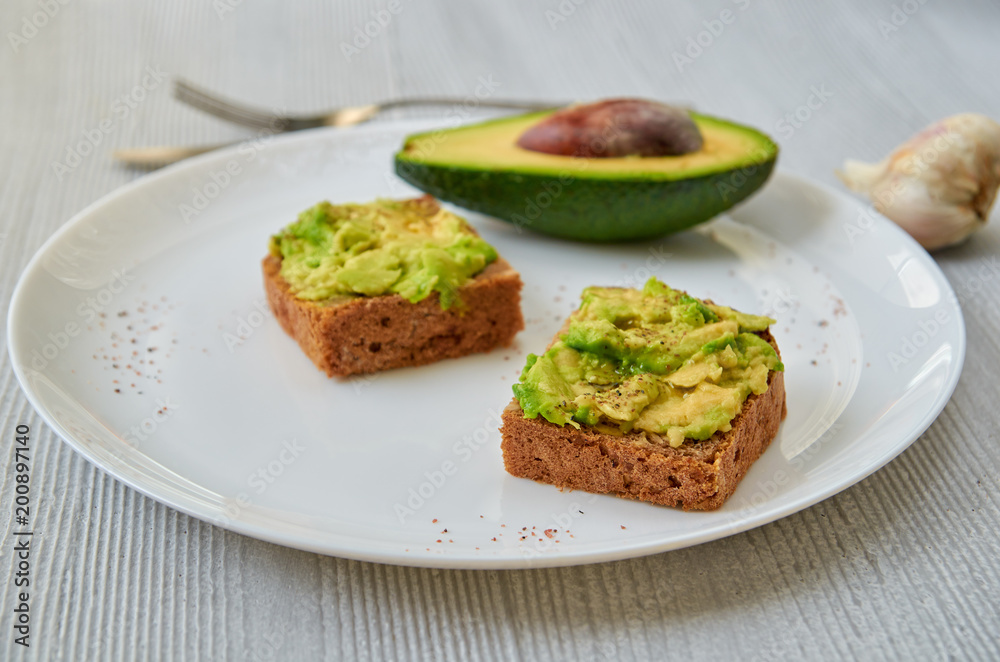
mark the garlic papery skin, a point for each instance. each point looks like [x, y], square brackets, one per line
[940, 184]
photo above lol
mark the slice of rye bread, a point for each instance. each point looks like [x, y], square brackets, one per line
[697, 475]
[368, 334]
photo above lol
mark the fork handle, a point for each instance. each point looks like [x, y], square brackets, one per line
[161, 155]
[453, 101]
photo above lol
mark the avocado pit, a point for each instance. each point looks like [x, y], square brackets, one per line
[615, 128]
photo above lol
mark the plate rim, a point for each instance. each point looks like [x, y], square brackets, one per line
[569, 557]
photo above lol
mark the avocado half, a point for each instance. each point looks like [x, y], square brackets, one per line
[480, 167]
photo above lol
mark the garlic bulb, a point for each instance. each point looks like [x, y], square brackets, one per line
[940, 184]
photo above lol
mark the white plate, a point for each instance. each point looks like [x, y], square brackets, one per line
[222, 417]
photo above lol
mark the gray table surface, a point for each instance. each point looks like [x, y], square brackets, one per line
[903, 565]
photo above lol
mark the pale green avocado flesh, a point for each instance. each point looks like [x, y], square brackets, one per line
[480, 167]
[407, 247]
[655, 359]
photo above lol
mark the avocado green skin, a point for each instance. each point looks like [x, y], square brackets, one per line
[589, 209]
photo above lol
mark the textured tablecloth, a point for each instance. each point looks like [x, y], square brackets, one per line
[903, 565]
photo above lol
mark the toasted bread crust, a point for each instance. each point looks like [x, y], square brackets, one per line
[369, 334]
[698, 475]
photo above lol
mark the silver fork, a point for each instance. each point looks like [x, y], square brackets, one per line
[255, 118]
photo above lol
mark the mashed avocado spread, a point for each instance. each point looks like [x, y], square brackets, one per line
[654, 359]
[406, 247]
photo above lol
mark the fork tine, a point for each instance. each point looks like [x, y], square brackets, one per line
[227, 111]
[191, 94]
[209, 103]
[222, 113]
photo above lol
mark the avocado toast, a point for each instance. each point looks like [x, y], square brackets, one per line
[648, 394]
[389, 284]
